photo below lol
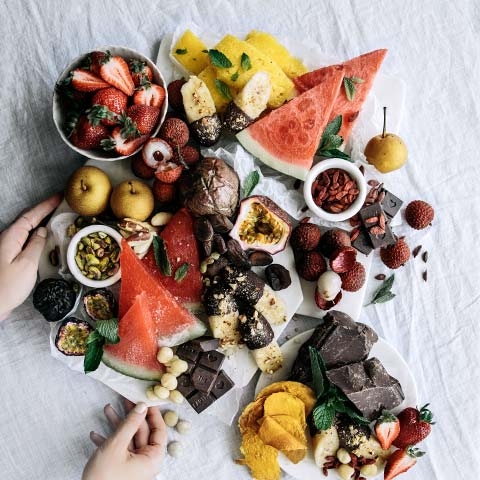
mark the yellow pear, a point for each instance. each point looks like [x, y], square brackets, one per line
[386, 152]
[132, 199]
[88, 190]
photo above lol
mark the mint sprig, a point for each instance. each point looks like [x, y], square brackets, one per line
[161, 256]
[251, 181]
[350, 88]
[219, 59]
[223, 89]
[106, 332]
[383, 293]
[331, 141]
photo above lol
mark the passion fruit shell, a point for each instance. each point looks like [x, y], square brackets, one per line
[71, 338]
[100, 304]
[261, 225]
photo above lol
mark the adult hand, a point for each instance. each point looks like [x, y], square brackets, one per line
[19, 258]
[134, 451]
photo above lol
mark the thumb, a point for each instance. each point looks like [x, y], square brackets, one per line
[129, 427]
[32, 252]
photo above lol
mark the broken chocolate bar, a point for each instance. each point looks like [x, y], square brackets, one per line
[368, 386]
[339, 340]
[204, 381]
[390, 203]
[362, 243]
[376, 225]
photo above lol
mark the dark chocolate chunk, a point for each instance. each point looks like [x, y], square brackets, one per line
[212, 360]
[390, 204]
[376, 225]
[200, 401]
[188, 351]
[185, 385]
[218, 300]
[206, 344]
[203, 378]
[254, 328]
[247, 286]
[362, 243]
[222, 385]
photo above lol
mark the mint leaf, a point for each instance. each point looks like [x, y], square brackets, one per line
[384, 298]
[323, 416]
[181, 51]
[250, 183]
[245, 61]
[94, 353]
[181, 272]
[318, 372]
[383, 293]
[332, 127]
[335, 153]
[218, 59]
[161, 257]
[234, 77]
[332, 141]
[357, 80]
[108, 329]
[222, 87]
[349, 86]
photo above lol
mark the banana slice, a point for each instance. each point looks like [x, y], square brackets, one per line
[253, 97]
[197, 99]
[268, 359]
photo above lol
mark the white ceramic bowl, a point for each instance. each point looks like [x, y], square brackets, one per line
[354, 173]
[59, 115]
[72, 251]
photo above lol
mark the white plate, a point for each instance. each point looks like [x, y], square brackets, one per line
[391, 360]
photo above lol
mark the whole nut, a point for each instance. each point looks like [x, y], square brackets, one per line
[202, 229]
[218, 244]
[220, 223]
[236, 254]
[260, 259]
[161, 218]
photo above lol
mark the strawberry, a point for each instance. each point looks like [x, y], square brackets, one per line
[400, 461]
[387, 428]
[88, 134]
[415, 425]
[114, 70]
[114, 100]
[122, 145]
[168, 172]
[86, 81]
[96, 60]
[140, 72]
[144, 117]
[149, 94]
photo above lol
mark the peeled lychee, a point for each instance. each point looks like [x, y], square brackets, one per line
[329, 284]
[353, 279]
[311, 266]
[332, 240]
[394, 256]
[419, 214]
[305, 237]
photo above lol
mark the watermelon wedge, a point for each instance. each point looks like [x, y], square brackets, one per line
[174, 324]
[287, 138]
[182, 248]
[136, 353]
[364, 67]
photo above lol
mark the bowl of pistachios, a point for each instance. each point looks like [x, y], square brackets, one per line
[93, 256]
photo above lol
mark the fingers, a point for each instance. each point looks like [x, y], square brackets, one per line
[112, 416]
[141, 437]
[129, 427]
[97, 439]
[32, 252]
[158, 429]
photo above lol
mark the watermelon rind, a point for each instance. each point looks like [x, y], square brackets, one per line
[135, 371]
[194, 331]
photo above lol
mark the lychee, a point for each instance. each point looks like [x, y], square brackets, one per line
[394, 256]
[175, 132]
[175, 98]
[419, 214]
[332, 240]
[353, 279]
[305, 237]
[311, 265]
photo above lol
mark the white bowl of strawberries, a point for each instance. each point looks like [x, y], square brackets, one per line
[108, 102]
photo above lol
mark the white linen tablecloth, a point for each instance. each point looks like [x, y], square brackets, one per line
[47, 410]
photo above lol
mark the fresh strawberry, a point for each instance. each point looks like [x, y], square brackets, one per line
[164, 193]
[415, 425]
[115, 71]
[140, 72]
[88, 134]
[96, 60]
[387, 428]
[123, 146]
[86, 81]
[400, 461]
[149, 94]
[144, 117]
[114, 100]
[168, 172]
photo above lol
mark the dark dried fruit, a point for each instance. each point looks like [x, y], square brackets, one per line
[54, 256]
[236, 254]
[254, 329]
[416, 251]
[260, 259]
[333, 239]
[220, 223]
[100, 304]
[343, 259]
[218, 244]
[55, 298]
[305, 237]
[71, 338]
[206, 248]
[424, 276]
[311, 265]
[216, 267]
[380, 276]
[202, 228]
[278, 277]
[425, 256]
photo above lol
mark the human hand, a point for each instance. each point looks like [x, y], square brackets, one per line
[134, 451]
[19, 262]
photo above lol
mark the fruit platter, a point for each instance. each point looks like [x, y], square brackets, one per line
[245, 187]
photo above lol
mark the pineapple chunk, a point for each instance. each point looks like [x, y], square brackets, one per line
[269, 45]
[236, 76]
[191, 52]
[208, 76]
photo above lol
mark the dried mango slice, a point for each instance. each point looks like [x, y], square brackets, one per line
[260, 458]
[284, 403]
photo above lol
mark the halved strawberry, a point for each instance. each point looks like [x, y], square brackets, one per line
[123, 146]
[86, 81]
[149, 94]
[140, 72]
[168, 172]
[400, 461]
[387, 428]
[87, 134]
[96, 61]
[114, 100]
[155, 151]
[115, 71]
[144, 117]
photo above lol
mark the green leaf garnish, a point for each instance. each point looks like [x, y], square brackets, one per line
[331, 141]
[383, 293]
[222, 87]
[94, 352]
[234, 77]
[161, 256]
[251, 181]
[219, 59]
[318, 370]
[332, 127]
[245, 61]
[108, 329]
[181, 272]
[349, 85]
[181, 51]
[323, 416]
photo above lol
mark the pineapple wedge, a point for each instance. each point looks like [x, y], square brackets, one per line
[269, 45]
[191, 52]
[209, 75]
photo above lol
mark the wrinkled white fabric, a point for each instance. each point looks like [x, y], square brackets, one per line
[48, 410]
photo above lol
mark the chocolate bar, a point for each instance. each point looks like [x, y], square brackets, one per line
[390, 203]
[376, 225]
[204, 382]
[362, 243]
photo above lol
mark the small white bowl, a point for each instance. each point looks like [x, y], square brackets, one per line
[72, 251]
[60, 117]
[354, 173]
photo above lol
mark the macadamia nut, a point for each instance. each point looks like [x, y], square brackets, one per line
[169, 381]
[164, 355]
[161, 392]
[369, 470]
[345, 471]
[176, 396]
[151, 394]
[170, 418]
[177, 367]
[343, 455]
[183, 426]
[175, 449]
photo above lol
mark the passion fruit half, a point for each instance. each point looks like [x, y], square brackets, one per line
[261, 225]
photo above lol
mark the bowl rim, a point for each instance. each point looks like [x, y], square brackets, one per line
[71, 251]
[350, 168]
[57, 113]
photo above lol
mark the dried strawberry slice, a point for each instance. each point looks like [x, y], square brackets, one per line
[323, 304]
[343, 259]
